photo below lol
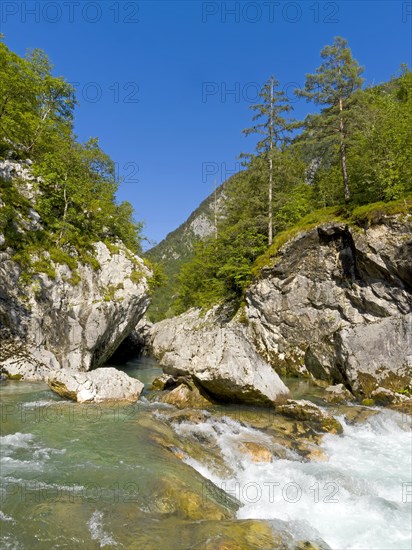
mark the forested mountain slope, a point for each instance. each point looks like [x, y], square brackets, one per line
[178, 247]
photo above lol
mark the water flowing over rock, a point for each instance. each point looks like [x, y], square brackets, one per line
[337, 304]
[105, 384]
[309, 412]
[217, 356]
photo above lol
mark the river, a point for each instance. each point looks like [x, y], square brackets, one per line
[90, 476]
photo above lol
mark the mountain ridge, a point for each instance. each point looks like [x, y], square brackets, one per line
[177, 247]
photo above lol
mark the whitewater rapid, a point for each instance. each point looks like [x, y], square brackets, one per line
[359, 498]
[77, 476]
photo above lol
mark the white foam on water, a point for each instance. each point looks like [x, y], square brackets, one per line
[8, 463]
[43, 403]
[358, 499]
[202, 469]
[8, 543]
[22, 451]
[97, 532]
[5, 517]
[16, 440]
[13, 487]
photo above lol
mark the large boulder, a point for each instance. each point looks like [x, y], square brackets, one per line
[383, 396]
[218, 356]
[336, 304]
[105, 384]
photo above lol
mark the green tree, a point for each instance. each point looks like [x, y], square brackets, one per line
[55, 99]
[17, 99]
[381, 167]
[75, 193]
[333, 86]
[34, 104]
[273, 129]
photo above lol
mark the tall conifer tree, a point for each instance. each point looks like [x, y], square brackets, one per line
[333, 86]
[273, 128]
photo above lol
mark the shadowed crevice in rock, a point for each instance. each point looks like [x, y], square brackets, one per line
[130, 348]
[344, 243]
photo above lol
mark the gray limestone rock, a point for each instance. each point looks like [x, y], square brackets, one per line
[336, 304]
[63, 318]
[105, 384]
[218, 356]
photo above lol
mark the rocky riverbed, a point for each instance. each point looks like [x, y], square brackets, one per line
[221, 476]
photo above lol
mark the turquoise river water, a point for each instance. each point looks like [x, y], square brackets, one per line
[82, 476]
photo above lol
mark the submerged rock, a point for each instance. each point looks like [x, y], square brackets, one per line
[247, 534]
[336, 304]
[256, 451]
[207, 502]
[218, 357]
[105, 384]
[355, 414]
[338, 394]
[309, 412]
[185, 395]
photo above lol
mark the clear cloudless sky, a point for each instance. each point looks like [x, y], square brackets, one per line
[166, 85]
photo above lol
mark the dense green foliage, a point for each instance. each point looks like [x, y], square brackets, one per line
[75, 189]
[307, 181]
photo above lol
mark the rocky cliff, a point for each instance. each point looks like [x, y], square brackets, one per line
[60, 317]
[336, 304]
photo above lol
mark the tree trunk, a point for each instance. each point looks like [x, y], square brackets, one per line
[270, 197]
[343, 153]
[344, 171]
[66, 206]
[39, 129]
[3, 109]
[270, 221]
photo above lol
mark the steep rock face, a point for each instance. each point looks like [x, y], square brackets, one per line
[337, 304]
[78, 326]
[218, 356]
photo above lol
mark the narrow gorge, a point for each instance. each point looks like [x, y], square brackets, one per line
[245, 383]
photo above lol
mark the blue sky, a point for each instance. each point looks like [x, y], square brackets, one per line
[166, 86]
